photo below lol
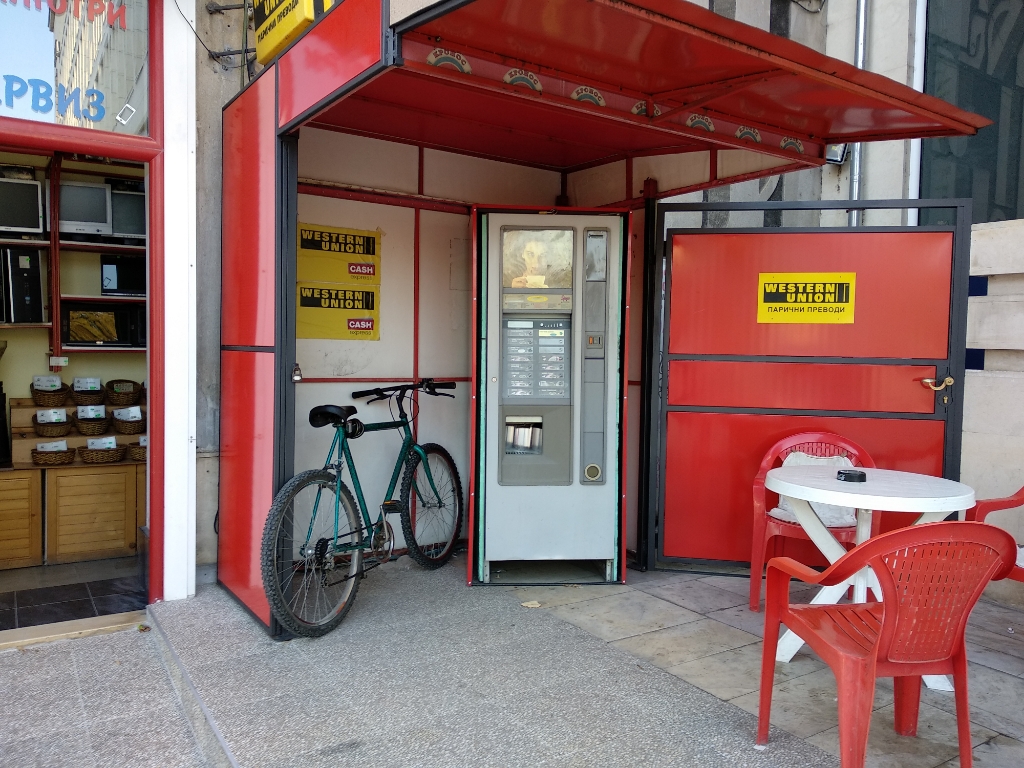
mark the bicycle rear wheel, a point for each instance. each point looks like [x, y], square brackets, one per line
[431, 520]
[310, 571]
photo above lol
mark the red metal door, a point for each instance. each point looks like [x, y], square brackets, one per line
[771, 333]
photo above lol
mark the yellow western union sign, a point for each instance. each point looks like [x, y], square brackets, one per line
[338, 255]
[806, 297]
[278, 22]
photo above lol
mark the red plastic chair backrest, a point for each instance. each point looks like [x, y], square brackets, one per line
[931, 577]
[814, 444]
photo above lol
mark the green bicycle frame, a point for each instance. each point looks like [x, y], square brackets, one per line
[340, 447]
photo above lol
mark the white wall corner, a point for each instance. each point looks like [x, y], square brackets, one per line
[179, 301]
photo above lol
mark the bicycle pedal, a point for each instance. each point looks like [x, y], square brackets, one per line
[391, 507]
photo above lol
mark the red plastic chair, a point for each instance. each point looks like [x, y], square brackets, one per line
[982, 509]
[766, 527]
[931, 576]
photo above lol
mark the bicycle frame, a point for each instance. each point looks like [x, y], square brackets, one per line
[340, 447]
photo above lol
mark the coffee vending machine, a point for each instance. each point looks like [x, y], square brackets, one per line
[549, 390]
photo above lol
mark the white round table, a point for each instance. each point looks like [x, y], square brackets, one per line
[931, 498]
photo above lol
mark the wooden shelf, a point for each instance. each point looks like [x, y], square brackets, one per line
[11, 242]
[108, 299]
[5, 326]
[100, 348]
[74, 245]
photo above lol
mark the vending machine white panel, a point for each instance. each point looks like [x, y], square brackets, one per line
[550, 388]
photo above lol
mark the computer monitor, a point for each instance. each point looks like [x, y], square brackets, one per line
[85, 208]
[21, 206]
[128, 210]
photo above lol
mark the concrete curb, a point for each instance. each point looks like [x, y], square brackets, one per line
[208, 737]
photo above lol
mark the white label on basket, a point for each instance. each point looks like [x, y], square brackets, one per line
[56, 445]
[46, 383]
[92, 411]
[101, 442]
[52, 416]
[144, 441]
[123, 387]
[134, 413]
[86, 385]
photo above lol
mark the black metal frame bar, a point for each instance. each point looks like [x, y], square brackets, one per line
[657, 311]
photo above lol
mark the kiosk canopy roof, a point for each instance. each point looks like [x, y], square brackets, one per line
[569, 83]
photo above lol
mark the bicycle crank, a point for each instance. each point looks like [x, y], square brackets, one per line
[382, 543]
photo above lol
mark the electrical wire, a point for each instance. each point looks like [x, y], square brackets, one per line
[212, 55]
[804, 4]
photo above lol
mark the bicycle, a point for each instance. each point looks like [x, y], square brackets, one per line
[315, 536]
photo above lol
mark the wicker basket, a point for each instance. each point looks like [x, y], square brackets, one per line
[51, 429]
[53, 458]
[123, 392]
[137, 452]
[102, 455]
[88, 397]
[53, 399]
[130, 427]
[92, 427]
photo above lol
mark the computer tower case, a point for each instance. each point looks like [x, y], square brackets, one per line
[23, 286]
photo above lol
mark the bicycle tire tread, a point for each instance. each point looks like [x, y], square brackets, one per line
[407, 478]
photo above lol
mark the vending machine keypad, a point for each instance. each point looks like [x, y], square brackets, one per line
[537, 361]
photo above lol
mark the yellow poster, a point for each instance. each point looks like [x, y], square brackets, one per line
[806, 297]
[337, 255]
[337, 311]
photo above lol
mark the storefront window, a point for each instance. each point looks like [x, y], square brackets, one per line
[974, 60]
[76, 62]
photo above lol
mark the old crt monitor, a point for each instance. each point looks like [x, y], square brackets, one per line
[21, 206]
[85, 208]
[128, 214]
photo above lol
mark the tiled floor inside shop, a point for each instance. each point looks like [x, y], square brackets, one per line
[46, 594]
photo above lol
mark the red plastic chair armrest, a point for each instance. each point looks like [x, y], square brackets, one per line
[981, 510]
[792, 568]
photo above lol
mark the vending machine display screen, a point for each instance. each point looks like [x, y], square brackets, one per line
[537, 360]
[536, 259]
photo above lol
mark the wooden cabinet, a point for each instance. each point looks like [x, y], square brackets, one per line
[21, 518]
[91, 512]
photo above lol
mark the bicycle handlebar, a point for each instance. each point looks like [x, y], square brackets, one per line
[426, 385]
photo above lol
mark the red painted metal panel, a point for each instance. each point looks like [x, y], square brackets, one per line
[246, 473]
[410, 106]
[901, 298]
[712, 459]
[342, 46]
[249, 214]
[801, 386]
[665, 46]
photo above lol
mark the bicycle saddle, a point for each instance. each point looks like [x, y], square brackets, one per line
[335, 415]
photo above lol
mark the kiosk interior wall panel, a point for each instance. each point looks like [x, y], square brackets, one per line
[391, 357]
[902, 282]
[738, 162]
[671, 171]
[248, 217]
[446, 421]
[597, 186]
[712, 519]
[246, 473]
[445, 295]
[345, 158]
[346, 43]
[479, 181]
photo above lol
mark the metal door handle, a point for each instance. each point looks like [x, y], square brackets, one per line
[932, 385]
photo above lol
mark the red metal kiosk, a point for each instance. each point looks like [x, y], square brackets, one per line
[580, 105]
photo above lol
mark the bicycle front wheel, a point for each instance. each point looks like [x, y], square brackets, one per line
[311, 557]
[431, 506]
